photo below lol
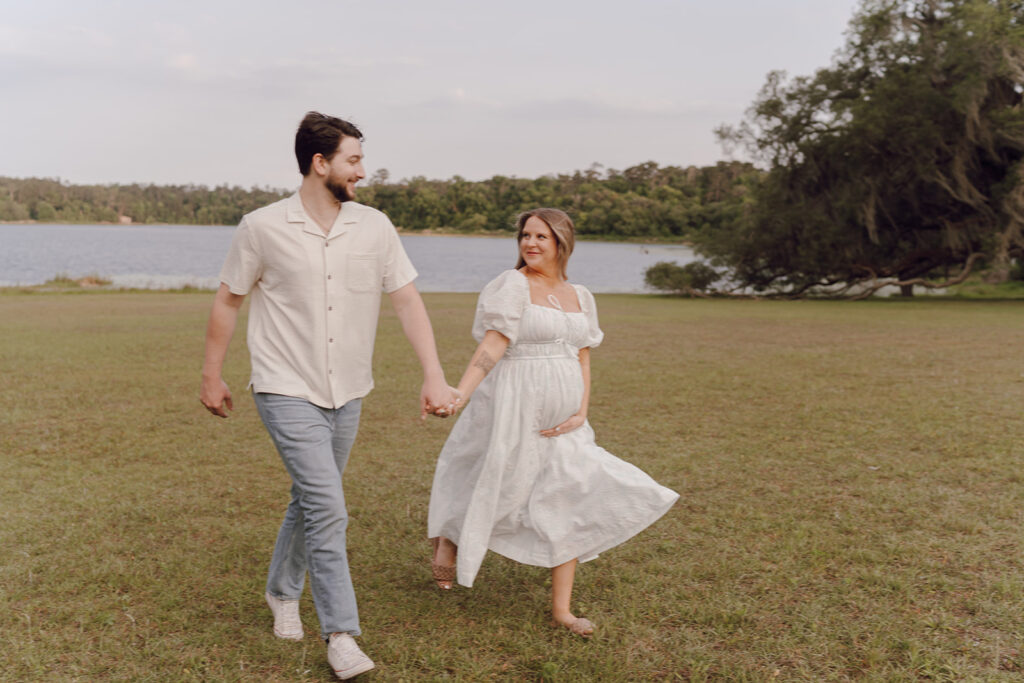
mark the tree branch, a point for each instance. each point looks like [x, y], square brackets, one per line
[968, 265]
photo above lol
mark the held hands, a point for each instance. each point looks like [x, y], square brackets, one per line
[441, 400]
[573, 423]
[215, 396]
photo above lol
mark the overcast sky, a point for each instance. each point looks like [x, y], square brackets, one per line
[210, 91]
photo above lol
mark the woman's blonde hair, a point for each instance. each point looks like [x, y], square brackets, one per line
[561, 227]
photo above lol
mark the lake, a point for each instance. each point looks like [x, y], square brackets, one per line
[170, 256]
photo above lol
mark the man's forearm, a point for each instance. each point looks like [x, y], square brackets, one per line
[219, 330]
[417, 328]
[213, 392]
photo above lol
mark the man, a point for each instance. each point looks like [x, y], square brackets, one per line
[316, 264]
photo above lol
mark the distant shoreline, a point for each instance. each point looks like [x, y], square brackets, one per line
[430, 232]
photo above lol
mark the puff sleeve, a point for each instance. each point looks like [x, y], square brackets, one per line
[589, 308]
[501, 305]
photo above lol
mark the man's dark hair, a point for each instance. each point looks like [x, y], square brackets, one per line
[321, 134]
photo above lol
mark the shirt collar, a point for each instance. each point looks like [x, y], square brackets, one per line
[296, 213]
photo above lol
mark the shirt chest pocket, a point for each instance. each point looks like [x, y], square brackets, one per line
[363, 273]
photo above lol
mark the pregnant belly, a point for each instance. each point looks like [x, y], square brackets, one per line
[559, 388]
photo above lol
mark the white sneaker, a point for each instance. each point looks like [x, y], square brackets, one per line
[287, 623]
[345, 657]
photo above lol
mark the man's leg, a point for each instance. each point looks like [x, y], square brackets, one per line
[314, 444]
[287, 573]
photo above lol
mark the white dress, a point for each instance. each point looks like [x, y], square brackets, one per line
[499, 484]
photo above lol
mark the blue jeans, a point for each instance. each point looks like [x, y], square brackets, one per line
[314, 444]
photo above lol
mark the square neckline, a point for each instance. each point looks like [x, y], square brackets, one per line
[529, 296]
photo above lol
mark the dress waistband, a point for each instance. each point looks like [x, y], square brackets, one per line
[526, 350]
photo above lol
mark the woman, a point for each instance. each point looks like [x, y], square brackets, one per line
[520, 473]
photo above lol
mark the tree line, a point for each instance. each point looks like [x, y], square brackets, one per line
[49, 200]
[646, 201]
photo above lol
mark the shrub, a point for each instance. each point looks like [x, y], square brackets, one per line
[689, 279]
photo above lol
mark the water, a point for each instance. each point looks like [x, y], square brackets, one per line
[169, 256]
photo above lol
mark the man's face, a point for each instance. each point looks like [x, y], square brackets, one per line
[345, 170]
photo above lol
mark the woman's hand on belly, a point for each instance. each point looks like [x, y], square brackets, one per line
[573, 423]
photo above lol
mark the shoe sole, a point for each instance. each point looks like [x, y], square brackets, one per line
[354, 671]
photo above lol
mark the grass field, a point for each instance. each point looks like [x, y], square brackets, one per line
[852, 480]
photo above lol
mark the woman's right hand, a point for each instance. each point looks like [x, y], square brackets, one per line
[572, 424]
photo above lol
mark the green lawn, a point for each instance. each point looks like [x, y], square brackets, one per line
[852, 480]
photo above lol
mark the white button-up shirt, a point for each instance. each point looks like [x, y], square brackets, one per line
[315, 297]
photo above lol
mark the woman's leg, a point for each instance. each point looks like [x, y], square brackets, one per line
[562, 578]
[443, 562]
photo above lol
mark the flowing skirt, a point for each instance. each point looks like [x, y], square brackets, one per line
[542, 501]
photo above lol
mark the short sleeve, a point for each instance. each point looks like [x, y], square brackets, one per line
[243, 265]
[398, 269]
[589, 308]
[501, 305]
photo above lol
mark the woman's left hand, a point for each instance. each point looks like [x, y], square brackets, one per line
[451, 408]
[573, 423]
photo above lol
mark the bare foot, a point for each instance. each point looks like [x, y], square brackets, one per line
[578, 625]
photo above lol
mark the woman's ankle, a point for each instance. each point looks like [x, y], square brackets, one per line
[445, 552]
[562, 616]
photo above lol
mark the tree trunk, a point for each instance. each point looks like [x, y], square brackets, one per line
[906, 290]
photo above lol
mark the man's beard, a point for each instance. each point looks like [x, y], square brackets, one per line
[339, 190]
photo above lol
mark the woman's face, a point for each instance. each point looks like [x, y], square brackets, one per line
[537, 245]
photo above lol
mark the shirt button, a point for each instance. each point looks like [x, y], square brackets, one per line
[331, 340]
[328, 277]
[330, 308]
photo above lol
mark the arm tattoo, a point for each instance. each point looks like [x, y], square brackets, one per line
[484, 362]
